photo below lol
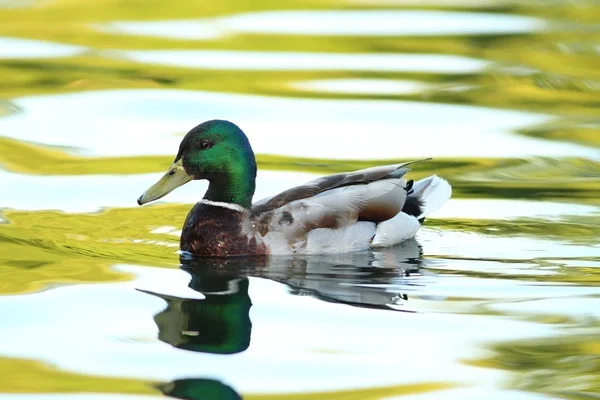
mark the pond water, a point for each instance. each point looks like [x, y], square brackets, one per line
[498, 296]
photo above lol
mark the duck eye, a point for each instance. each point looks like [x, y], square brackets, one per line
[205, 145]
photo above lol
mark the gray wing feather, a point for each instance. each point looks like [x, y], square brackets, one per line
[330, 182]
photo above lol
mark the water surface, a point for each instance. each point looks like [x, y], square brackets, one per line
[338, 23]
[497, 297]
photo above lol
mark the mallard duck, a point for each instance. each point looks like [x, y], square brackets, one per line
[372, 207]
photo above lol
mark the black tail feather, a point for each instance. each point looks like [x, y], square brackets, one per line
[413, 206]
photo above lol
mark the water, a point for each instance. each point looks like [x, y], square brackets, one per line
[338, 23]
[497, 297]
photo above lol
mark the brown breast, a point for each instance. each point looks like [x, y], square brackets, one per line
[211, 230]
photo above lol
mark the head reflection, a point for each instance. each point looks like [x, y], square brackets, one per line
[199, 389]
[218, 324]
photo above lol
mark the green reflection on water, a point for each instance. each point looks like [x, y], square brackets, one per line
[218, 324]
[28, 376]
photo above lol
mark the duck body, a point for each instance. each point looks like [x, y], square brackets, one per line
[373, 207]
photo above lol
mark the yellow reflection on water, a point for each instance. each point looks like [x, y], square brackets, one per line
[29, 376]
[45, 247]
[566, 366]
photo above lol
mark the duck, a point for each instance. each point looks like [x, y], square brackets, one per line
[339, 213]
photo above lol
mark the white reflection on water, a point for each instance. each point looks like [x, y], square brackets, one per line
[443, 3]
[320, 337]
[529, 268]
[305, 61]
[361, 86]
[511, 209]
[88, 193]
[488, 247]
[579, 307]
[143, 122]
[334, 23]
[449, 287]
[27, 48]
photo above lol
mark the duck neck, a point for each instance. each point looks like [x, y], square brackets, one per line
[235, 186]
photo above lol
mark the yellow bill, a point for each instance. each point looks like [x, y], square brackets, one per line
[175, 177]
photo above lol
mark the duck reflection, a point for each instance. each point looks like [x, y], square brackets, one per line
[199, 389]
[220, 323]
[366, 279]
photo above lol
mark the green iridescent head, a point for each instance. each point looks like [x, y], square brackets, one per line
[219, 152]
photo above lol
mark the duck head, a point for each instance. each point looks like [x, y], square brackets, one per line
[217, 151]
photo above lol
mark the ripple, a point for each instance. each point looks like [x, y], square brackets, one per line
[334, 23]
[387, 129]
[284, 328]
[230, 60]
[26, 48]
[361, 86]
[467, 245]
[441, 3]
[512, 209]
[92, 192]
[575, 307]
[477, 394]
